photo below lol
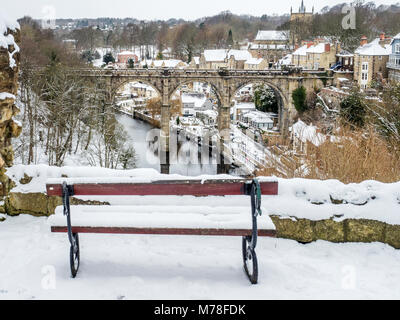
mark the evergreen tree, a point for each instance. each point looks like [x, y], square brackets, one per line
[131, 63]
[108, 57]
[353, 109]
[229, 41]
[300, 99]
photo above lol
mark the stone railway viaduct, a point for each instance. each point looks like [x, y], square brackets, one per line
[225, 84]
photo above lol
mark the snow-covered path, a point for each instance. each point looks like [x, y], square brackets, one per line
[155, 267]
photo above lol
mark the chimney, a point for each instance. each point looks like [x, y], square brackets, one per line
[327, 47]
[296, 46]
[382, 36]
[364, 41]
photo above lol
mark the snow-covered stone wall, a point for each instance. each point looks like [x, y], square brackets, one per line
[304, 210]
[9, 68]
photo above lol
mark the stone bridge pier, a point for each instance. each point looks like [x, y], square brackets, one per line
[165, 129]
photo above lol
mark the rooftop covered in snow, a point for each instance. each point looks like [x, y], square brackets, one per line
[374, 48]
[272, 35]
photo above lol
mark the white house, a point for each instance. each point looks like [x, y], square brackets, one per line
[257, 120]
[193, 102]
[241, 108]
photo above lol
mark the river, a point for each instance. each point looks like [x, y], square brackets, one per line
[138, 131]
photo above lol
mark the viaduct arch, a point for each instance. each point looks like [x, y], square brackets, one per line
[225, 84]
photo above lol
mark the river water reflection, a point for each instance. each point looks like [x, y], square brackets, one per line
[138, 131]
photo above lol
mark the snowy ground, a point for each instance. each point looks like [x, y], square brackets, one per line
[155, 267]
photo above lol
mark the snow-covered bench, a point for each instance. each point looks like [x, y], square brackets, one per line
[215, 207]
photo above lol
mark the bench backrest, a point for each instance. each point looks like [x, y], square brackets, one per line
[196, 188]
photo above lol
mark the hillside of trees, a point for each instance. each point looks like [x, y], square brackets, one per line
[189, 38]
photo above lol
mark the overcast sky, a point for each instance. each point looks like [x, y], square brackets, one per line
[154, 9]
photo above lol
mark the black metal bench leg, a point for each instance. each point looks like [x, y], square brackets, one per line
[250, 260]
[249, 243]
[74, 256]
[74, 251]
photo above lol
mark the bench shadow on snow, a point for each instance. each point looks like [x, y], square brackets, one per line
[107, 269]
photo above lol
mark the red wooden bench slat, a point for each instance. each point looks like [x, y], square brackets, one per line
[161, 188]
[165, 231]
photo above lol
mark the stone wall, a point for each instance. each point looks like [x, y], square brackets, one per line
[38, 204]
[349, 230]
[9, 68]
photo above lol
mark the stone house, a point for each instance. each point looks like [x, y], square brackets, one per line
[141, 90]
[195, 63]
[394, 60]
[322, 56]
[236, 59]
[223, 58]
[370, 61]
[316, 55]
[271, 45]
[256, 64]
[299, 56]
[193, 102]
[213, 59]
[175, 64]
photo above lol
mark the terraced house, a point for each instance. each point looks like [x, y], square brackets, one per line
[270, 45]
[394, 60]
[316, 55]
[223, 58]
[370, 61]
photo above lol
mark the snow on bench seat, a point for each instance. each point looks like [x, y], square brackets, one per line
[235, 220]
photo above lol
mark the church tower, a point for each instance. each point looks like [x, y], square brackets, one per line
[302, 15]
[300, 23]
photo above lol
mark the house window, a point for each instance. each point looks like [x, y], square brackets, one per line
[397, 48]
[365, 66]
[364, 76]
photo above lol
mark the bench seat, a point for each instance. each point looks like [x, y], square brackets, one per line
[203, 207]
[195, 220]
